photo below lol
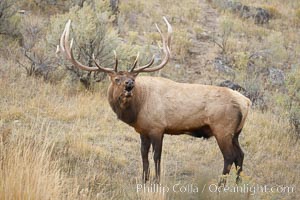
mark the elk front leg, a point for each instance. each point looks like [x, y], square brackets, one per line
[157, 148]
[145, 146]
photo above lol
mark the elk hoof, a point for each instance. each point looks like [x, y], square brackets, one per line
[238, 180]
[222, 181]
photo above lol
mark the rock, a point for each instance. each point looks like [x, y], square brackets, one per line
[194, 50]
[233, 86]
[191, 34]
[203, 36]
[262, 16]
[232, 6]
[222, 67]
[236, 6]
[246, 12]
[276, 76]
[256, 96]
[177, 66]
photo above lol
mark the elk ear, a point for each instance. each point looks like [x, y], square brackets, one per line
[111, 76]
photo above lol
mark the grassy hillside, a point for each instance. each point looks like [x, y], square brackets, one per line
[61, 141]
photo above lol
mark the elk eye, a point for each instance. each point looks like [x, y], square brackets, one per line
[117, 80]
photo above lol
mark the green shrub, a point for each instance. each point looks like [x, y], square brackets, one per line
[291, 100]
[9, 19]
[181, 44]
[139, 17]
[293, 86]
[241, 60]
[226, 32]
[93, 33]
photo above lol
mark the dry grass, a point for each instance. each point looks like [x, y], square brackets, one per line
[72, 147]
[63, 143]
[27, 171]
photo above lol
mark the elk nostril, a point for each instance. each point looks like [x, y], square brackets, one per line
[129, 86]
[129, 83]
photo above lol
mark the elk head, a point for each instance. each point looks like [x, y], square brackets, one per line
[122, 82]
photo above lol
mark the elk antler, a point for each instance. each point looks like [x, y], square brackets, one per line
[67, 50]
[166, 48]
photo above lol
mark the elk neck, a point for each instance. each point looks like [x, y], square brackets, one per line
[126, 108]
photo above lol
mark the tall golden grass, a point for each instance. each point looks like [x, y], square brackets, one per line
[62, 143]
[57, 145]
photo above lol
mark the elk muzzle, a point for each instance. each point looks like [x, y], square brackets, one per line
[129, 85]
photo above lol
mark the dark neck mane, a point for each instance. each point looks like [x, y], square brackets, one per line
[126, 109]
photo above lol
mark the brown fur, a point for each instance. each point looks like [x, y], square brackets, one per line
[156, 106]
[159, 106]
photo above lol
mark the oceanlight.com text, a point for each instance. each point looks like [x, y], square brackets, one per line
[251, 189]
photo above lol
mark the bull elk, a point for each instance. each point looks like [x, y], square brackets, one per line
[155, 106]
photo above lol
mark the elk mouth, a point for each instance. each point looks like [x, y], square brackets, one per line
[128, 91]
[127, 94]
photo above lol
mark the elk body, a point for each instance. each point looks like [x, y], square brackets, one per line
[155, 106]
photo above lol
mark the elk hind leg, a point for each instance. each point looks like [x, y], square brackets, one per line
[229, 155]
[239, 156]
[157, 148]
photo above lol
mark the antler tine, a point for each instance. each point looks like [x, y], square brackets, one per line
[97, 65]
[62, 38]
[170, 30]
[146, 66]
[57, 50]
[116, 61]
[67, 50]
[135, 62]
[166, 49]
